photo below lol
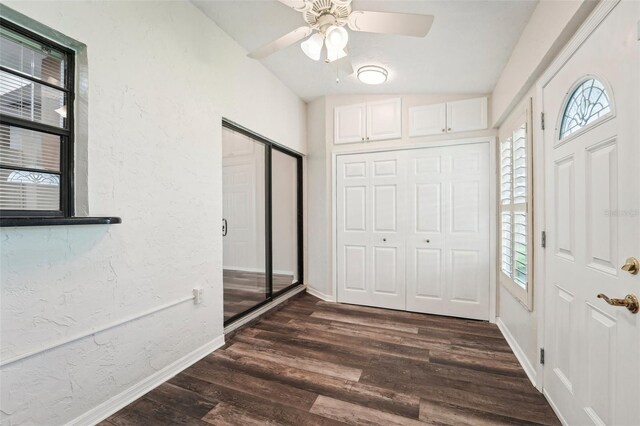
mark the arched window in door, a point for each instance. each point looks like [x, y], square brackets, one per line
[588, 102]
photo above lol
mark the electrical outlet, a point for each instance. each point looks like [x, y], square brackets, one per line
[197, 295]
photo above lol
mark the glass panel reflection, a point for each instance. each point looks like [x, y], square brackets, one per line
[284, 179]
[244, 273]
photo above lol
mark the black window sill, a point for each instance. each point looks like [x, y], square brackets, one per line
[6, 222]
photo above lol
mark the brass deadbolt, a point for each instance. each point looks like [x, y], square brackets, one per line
[632, 265]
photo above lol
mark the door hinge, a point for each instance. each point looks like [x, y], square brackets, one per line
[544, 239]
[542, 120]
[542, 356]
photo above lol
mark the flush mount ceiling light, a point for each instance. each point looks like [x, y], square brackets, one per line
[372, 74]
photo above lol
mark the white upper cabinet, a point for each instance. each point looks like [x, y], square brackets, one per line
[384, 120]
[371, 121]
[450, 117]
[428, 120]
[350, 123]
[466, 115]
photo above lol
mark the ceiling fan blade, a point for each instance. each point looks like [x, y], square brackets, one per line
[391, 23]
[299, 5]
[279, 44]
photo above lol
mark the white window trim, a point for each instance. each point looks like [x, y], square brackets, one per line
[524, 296]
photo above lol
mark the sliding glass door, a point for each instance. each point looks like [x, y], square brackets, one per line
[286, 220]
[262, 220]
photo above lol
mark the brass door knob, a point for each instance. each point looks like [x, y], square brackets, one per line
[630, 302]
[631, 265]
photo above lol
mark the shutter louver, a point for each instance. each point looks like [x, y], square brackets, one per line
[520, 165]
[520, 249]
[513, 205]
[507, 238]
[505, 172]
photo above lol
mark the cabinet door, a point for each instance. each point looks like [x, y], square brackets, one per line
[350, 123]
[384, 120]
[466, 115]
[428, 120]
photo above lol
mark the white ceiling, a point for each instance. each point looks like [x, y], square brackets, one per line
[465, 51]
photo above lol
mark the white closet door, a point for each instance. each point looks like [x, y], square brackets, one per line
[448, 243]
[413, 230]
[371, 264]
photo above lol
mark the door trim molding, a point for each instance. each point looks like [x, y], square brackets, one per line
[597, 16]
[491, 140]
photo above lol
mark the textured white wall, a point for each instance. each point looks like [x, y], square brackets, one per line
[551, 26]
[161, 76]
[319, 196]
[321, 151]
[519, 321]
[548, 30]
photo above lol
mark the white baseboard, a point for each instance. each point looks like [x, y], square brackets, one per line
[320, 295]
[111, 406]
[517, 350]
[255, 314]
[256, 270]
[554, 407]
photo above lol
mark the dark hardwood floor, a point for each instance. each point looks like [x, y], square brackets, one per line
[319, 363]
[243, 290]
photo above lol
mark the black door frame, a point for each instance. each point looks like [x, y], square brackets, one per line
[269, 146]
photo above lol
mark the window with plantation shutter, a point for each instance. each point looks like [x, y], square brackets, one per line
[514, 207]
[36, 125]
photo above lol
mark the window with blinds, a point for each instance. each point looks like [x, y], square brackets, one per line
[514, 192]
[36, 125]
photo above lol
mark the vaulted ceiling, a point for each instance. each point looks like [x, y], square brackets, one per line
[465, 51]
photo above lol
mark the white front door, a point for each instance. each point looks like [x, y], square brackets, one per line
[413, 230]
[448, 260]
[371, 230]
[592, 349]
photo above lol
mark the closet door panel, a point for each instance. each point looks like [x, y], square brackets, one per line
[456, 281]
[370, 239]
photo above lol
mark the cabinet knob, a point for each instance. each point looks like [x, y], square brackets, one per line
[427, 241]
[444, 130]
[384, 239]
[449, 129]
[363, 138]
[367, 137]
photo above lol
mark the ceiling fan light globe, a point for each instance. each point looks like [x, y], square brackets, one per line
[337, 37]
[335, 54]
[372, 74]
[312, 47]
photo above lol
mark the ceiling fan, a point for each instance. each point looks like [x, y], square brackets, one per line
[325, 32]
